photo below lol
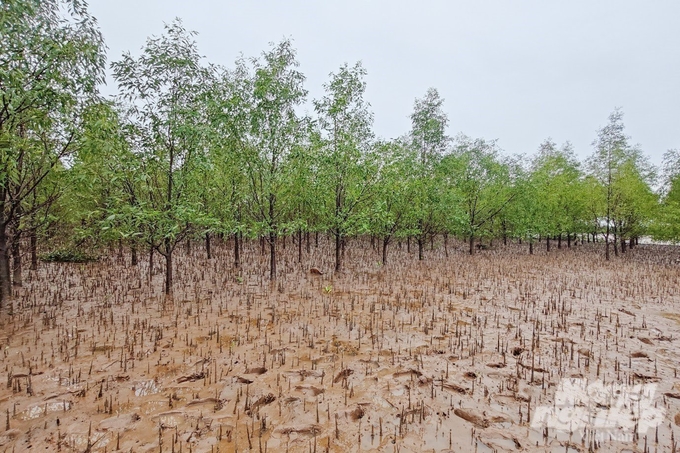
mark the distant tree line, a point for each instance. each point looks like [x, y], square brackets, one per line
[191, 151]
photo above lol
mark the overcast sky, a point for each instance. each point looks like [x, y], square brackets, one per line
[517, 71]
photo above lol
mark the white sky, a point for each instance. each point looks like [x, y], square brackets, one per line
[515, 70]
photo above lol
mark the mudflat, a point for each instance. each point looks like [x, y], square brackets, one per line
[499, 351]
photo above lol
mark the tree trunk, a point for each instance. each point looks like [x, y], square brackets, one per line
[262, 245]
[34, 249]
[446, 244]
[133, 252]
[616, 245]
[606, 240]
[316, 239]
[17, 277]
[5, 281]
[150, 263]
[207, 246]
[237, 255]
[631, 243]
[420, 248]
[386, 241]
[531, 247]
[300, 246]
[623, 245]
[307, 241]
[408, 244]
[547, 243]
[338, 256]
[472, 244]
[559, 241]
[272, 256]
[168, 271]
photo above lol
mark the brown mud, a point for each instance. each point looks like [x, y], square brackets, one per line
[446, 354]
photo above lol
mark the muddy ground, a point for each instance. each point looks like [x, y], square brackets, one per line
[454, 353]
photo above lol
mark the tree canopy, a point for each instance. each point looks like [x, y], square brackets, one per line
[190, 150]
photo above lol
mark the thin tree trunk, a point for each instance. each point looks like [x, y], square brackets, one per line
[559, 241]
[133, 253]
[531, 247]
[547, 242]
[386, 241]
[606, 240]
[631, 243]
[472, 244]
[272, 256]
[207, 245]
[34, 249]
[446, 244]
[616, 242]
[237, 255]
[17, 277]
[568, 240]
[307, 242]
[623, 245]
[408, 244]
[150, 263]
[420, 248]
[316, 239]
[168, 270]
[300, 246]
[5, 281]
[338, 255]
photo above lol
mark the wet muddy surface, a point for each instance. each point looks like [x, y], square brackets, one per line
[456, 353]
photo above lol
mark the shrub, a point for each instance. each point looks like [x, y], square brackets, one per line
[68, 256]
